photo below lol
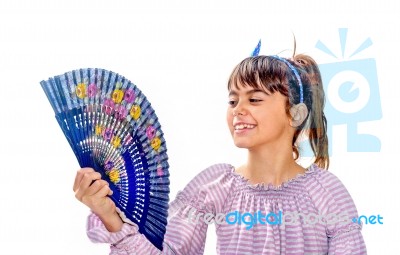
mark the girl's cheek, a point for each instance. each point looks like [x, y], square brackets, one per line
[229, 117]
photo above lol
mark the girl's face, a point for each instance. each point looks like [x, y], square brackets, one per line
[256, 119]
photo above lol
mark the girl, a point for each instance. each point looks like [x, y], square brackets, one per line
[272, 204]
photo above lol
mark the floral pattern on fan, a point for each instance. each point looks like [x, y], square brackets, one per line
[111, 127]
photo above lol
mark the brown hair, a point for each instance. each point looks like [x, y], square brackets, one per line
[274, 75]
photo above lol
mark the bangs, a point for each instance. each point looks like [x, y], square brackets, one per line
[261, 72]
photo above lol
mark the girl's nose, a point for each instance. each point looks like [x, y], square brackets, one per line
[239, 110]
[236, 113]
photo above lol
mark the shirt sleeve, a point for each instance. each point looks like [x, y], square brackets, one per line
[346, 242]
[188, 218]
[343, 231]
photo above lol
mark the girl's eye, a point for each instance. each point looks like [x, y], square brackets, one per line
[253, 100]
[232, 102]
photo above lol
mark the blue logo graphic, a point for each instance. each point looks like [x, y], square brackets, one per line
[372, 219]
[352, 96]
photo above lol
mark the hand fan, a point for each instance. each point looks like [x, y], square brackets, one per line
[111, 127]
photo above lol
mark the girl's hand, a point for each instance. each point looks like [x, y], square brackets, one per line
[94, 195]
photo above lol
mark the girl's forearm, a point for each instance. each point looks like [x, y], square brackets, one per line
[113, 222]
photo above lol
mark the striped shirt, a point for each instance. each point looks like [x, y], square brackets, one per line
[309, 214]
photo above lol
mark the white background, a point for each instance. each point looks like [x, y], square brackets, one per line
[180, 54]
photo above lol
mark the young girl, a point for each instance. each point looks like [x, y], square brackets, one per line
[273, 205]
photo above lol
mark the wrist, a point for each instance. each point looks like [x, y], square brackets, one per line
[111, 221]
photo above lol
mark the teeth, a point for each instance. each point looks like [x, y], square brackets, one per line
[243, 126]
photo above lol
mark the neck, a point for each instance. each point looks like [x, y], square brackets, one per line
[271, 165]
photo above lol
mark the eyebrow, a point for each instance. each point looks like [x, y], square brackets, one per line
[234, 93]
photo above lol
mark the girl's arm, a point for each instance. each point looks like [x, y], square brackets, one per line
[184, 234]
[186, 229]
[332, 198]
[347, 242]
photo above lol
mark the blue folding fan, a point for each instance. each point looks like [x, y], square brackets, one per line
[113, 129]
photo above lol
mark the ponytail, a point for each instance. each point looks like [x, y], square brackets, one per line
[316, 123]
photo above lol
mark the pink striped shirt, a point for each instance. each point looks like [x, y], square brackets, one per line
[219, 190]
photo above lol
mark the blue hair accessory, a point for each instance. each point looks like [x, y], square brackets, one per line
[295, 74]
[255, 53]
[256, 50]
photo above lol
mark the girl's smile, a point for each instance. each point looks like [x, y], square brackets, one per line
[242, 127]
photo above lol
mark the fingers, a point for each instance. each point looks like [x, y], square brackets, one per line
[99, 199]
[79, 175]
[95, 187]
[104, 191]
[92, 191]
[85, 187]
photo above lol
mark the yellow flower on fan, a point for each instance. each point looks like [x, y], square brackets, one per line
[155, 143]
[116, 141]
[135, 112]
[117, 96]
[98, 130]
[81, 90]
[114, 175]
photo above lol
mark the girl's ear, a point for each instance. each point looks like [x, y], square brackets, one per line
[298, 113]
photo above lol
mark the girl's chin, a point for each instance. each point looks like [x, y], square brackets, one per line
[242, 145]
